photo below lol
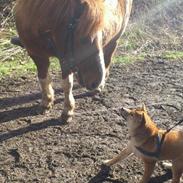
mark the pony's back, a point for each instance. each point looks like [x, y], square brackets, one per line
[43, 15]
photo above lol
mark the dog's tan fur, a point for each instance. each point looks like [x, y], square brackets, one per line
[143, 133]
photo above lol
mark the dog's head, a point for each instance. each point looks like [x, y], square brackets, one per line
[135, 117]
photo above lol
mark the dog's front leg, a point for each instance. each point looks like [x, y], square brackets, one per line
[122, 155]
[148, 170]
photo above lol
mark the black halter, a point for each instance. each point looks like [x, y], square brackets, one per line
[67, 58]
[68, 64]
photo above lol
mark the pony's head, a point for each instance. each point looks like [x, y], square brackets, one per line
[91, 67]
[89, 47]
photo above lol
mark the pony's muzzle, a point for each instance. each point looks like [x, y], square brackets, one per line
[93, 86]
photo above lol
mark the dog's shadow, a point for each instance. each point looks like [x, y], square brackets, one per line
[162, 178]
[104, 175]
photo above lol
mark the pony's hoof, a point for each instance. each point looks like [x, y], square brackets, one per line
[100, 88]
[43, 110]
[66, 118]
[47, 106]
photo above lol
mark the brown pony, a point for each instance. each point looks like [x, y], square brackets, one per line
[82, 34]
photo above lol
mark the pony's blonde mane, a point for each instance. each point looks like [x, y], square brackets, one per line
[93, 16]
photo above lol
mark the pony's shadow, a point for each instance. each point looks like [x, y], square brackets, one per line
[30, 128]
[104, 175]
[27, 111]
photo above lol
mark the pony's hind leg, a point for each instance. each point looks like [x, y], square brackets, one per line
[42, 64]
[69, 102]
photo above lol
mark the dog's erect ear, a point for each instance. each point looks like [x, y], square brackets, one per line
[144, 118]
[144, 108]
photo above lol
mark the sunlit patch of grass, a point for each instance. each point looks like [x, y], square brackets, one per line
[19, 67]
[126, 59]
[130, 40]
[22, 67]
[7, 50]
[130, 58]
[16, 68]
[172, 55]
[14, 60]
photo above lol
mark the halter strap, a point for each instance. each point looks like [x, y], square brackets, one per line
[67, 57]
[68, 63]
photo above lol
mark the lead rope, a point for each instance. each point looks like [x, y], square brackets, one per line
[178, 123]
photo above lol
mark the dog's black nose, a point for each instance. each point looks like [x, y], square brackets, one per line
[125, 112]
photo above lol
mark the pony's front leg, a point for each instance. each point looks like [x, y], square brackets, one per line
[47, 93]
[69, 102]
[42, 64]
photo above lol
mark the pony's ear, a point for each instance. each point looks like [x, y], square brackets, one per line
[144, 108]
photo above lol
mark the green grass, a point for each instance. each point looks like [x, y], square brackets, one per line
[126, 59]
[18, 68]
[172, 55]
[130, 39]
[21, 66]
[15, 62]
[167, 55]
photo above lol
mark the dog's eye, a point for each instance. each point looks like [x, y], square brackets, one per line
[132, 114]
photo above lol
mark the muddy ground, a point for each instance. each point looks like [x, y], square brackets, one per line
[40, 148]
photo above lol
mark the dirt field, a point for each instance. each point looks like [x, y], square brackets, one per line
[40, 148]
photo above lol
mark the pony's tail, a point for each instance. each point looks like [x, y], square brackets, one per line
[16, 41]
[92, 18]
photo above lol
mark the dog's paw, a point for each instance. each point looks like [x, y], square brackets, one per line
[106, 162]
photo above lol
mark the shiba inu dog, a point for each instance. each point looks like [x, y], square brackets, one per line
[151, 144]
